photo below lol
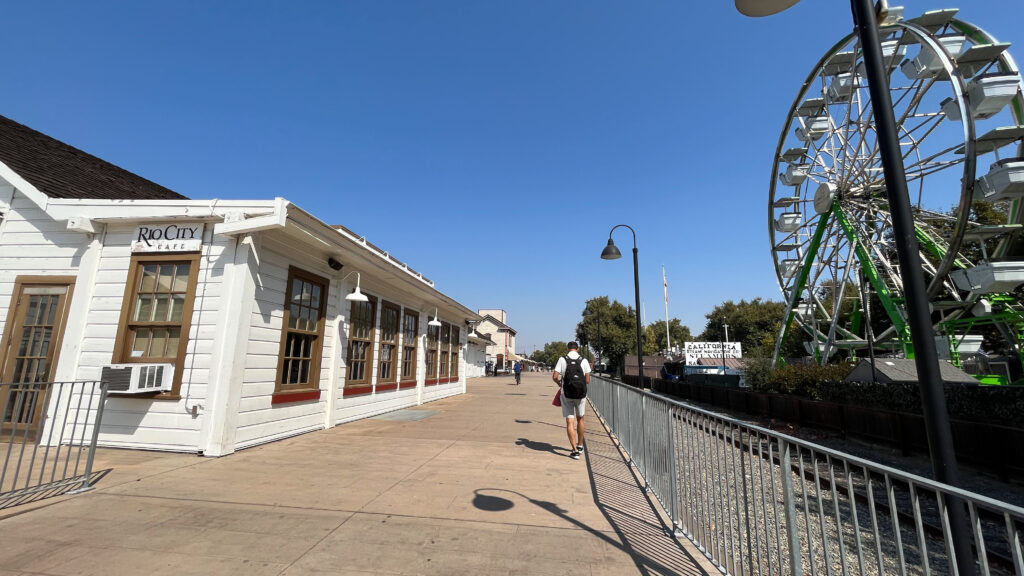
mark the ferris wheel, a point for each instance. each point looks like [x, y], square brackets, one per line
[958, 103]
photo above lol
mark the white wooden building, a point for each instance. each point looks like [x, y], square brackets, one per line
[502, 349]
[247, 304]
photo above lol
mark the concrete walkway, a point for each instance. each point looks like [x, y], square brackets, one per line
[477, 484]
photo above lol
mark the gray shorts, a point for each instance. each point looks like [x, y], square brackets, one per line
[573, 407]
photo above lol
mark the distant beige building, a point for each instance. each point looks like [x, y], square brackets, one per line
[502, 351]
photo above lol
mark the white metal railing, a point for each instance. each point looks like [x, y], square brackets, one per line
[48, 434]
[759, 502]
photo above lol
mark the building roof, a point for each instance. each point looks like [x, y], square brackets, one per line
[730, 363]
[904, 370]
[62, 171]
[501, 326]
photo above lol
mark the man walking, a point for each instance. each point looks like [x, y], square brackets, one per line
[517, 368]
[573, 374]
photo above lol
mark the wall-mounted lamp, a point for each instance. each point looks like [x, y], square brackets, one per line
[435, 322]
[334, 264]
[472, 327]
[356, 295]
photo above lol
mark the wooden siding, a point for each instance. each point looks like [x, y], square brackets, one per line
[259, 420]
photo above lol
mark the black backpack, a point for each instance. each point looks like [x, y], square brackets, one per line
[574, 381]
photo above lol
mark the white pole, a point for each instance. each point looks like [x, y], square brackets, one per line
[668, 335]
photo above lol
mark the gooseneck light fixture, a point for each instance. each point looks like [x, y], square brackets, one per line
[435, 322]
[933, 399]
[610, 252]
[356, 295]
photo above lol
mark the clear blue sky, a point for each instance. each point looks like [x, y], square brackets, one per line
[491, 145]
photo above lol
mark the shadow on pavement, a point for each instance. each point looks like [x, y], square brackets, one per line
[27, 496]
[621, 498]
[541, 446]
[639, 529]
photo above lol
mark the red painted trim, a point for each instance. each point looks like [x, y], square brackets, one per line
[386, 387]
[356, 391]
[409, 384]
[431, 382]
[289, 397]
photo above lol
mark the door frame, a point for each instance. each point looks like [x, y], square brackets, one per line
[60, 324]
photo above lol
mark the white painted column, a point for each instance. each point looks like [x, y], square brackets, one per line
[227, 367]
[337, 338]
[78, 311]
[421, 358]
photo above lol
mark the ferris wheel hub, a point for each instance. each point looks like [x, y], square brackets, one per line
[823, 197]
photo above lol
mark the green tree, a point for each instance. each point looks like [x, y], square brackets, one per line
[549, 355]
[654, 336]
[617, 330]
[552, 351]
[755, 324]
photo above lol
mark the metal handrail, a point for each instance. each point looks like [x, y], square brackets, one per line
[46, 428]
[756, 501]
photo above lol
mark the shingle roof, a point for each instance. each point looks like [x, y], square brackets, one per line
[904, 370]
[62, 171]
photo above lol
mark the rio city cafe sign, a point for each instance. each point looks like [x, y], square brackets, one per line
[187, 237]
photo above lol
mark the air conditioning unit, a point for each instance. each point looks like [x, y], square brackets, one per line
[138, 378]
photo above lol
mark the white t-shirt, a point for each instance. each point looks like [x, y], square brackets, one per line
[560, 367]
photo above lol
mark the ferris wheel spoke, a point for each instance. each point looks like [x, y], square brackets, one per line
[918, 89]
[927, 159]
[917, 172]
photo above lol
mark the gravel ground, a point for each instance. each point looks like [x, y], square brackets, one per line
[1011, 492]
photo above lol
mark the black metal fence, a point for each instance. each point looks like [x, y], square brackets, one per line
[48, 433]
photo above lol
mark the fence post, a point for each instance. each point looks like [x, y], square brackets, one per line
[86, 484]
[789, 501]
[673, 481]
[643, 437]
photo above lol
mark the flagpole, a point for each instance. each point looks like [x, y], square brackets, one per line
[668, 335]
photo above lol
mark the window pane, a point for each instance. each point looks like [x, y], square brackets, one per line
[157, 348]
[165, 277]
[177, 307]
[315, 302]
[173, 338]
[51, 315]
[161, 307]
[180, 278]
[144, 308]
[148, 281]
[141, 344]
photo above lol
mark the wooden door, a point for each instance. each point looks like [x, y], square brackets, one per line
[28, 350]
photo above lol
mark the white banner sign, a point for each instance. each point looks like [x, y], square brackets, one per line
[168, 237]
[696, 350]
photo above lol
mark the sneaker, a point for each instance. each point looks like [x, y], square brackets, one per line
[580, 448]
[574, 455]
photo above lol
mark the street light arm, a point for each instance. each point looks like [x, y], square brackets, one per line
[623, 226]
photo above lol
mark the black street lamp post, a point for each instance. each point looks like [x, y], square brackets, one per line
[610, 252]
[597, 350]
[933, 399]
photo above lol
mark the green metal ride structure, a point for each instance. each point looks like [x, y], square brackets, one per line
[959, 106]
